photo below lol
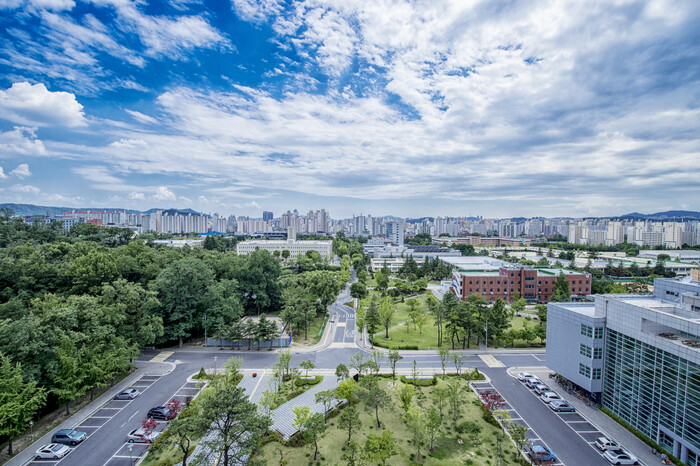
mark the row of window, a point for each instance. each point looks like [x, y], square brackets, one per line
[588, 352]
[586, 371]
[591, 332]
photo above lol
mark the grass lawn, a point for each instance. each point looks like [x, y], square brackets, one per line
[313, 333]
[482, 450]
[518, 323]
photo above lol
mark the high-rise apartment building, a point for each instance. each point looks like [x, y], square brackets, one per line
[267, 216]
[395, 232]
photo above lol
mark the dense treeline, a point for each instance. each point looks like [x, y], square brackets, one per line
[76, 308]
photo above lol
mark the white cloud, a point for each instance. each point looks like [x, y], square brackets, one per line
[22, 171]
[141, 117]
[137, 196]
[257, 10]
[164, 194]
[2, 173]
[25, 188]
[55, 5]
[21, 141]
[28, 104]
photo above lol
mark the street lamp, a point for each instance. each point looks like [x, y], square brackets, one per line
[215, 358]
[131, 459]
[31, 428]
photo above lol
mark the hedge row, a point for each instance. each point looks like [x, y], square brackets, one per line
[419, 382]
[641, 436]
[382, 344]
[316, 380]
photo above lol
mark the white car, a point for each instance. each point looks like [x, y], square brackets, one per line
[524, 375]
[141, 436]
[620, 457]
[549, 396]
[52, 451]
[604, 443]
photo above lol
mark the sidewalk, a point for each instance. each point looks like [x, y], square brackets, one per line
[142, 368]
[607, 425]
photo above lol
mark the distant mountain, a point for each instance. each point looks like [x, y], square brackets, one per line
[31, 209]
[670, 214]
[419, 220]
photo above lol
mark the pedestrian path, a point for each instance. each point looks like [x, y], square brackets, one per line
[283, 416]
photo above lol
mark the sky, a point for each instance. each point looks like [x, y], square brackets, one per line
[411, 108]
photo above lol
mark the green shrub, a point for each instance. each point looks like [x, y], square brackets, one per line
[202, 374]
[301, 383]
[487, 416]
[473, 375]
[384, 344]
[419, 382]
[271, 436]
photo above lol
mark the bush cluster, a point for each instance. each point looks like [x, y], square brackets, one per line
[390, 346]
[316, 380]
[419, 382]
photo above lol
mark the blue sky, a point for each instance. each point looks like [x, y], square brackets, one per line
[388, 107]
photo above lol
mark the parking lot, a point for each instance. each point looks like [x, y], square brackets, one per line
[576, 421]
[120, 417]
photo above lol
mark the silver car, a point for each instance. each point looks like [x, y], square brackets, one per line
[128, 394]
[548, 397]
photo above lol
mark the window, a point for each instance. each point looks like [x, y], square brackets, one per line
[597, 373]
[586, 330]
[598, 333]
[530, 278]
[584, 370]
[585, 350]
[597, 353]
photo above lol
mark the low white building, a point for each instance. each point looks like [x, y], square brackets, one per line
[295, 248]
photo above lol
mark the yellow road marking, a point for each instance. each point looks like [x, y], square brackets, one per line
[162, 356]
[490, 361]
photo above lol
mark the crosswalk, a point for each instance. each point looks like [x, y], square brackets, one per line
[162, 356]
[341, 344]
[491, 361]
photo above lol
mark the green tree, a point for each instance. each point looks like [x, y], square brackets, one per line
[406, 393]
[380, 447]
[382, 280]
[183, 433]
[349, 419]
[560, 291]
[346, 390]
[455, 398]
[415, 421]
[372, 319]
[517, 306]
[234, 420]
[326, 398]
[386, 314]
[358, 290]
[394, 357]
[184, 290]
[444, 354]
[433, 422]
[439, 395]
[19, 400]
[413, 312]
[285, 254]
[542, 313]
[342, 372]
[139, 308]
[373, 396]
[307, 366]
[69, 377]
[314, 429]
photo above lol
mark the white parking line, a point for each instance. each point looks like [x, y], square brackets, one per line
[98, 417]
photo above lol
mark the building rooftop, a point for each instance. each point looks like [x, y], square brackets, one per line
[480, 273]
[549, 271]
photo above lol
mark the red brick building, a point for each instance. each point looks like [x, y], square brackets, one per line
[533, 284]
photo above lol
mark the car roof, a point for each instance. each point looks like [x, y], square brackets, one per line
[64, 431]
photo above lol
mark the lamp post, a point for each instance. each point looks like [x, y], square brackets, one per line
[131, 459]
[215, 358]
[487, 332]
[31, 429]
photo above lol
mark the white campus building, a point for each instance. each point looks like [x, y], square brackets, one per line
[295, 248]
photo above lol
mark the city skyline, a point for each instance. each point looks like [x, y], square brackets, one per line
[416, 110]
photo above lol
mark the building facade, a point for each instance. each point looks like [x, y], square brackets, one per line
[650, 373]
[534, 284]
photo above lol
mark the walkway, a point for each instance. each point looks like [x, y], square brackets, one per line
[283, 416]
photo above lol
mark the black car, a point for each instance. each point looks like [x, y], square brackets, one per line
[160, 412]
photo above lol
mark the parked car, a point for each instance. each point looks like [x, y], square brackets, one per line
[68, 437]
[548, 397]
[141, 436]
[531, 382]
[128, 394]
[161, 412]
[604, 443]
[522, 376]
[541, 454]
[540, 388]
[561, 405]
[52, 451]
[620, 457]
